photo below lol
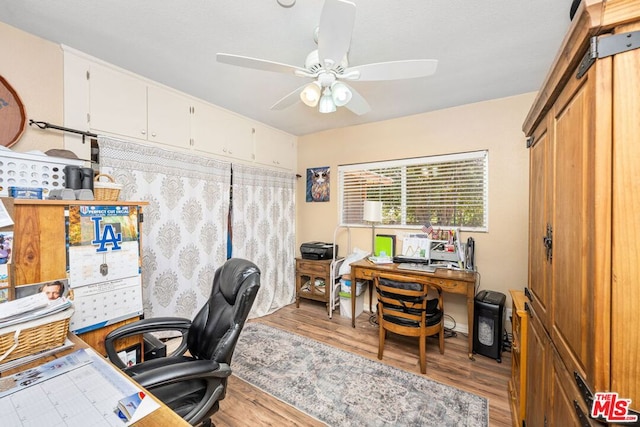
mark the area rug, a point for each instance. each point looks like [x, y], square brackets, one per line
[343, 389]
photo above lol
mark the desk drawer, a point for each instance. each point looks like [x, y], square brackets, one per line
[453, 286]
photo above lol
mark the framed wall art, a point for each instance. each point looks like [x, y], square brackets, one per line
[318, 184]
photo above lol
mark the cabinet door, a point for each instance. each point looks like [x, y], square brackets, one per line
[576, 251]
[76, 102]
[275, 148]
[565, 397]
[118, 102]
[625, 339]
[217, 131]
[205, 127]
[168, 117]
[537, 411]
[540, 220]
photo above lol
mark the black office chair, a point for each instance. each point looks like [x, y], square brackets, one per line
[405, 309]
[193, 384]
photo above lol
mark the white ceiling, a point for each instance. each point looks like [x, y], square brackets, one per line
[486, 49]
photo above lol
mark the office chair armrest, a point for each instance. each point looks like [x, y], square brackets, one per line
[188, 370]
[156, 324]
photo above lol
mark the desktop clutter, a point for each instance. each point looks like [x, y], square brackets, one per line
[81, 184]
[75, 183]
[435, 248]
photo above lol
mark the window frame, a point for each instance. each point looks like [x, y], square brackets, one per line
[412, 162]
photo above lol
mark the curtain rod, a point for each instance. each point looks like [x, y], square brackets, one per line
[45, 125]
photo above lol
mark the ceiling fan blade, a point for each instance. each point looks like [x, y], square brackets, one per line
[334, 31]
[288, 100]
[258, 64]
[394, 70]
[357, 104]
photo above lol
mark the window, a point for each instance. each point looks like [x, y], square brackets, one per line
[448, 191]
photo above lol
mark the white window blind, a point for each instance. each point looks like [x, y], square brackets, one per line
[447, 190]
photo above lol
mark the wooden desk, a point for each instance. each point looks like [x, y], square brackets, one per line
[162, 416]
[451, 281]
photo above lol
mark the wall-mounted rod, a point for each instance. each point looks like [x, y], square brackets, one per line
[45, 125]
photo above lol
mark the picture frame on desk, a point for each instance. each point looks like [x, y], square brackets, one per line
[131, 355]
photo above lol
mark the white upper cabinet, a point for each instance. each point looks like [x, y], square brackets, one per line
[274, 148]
[117, 102]
[168, 117]
[108, 100]
[218, 131]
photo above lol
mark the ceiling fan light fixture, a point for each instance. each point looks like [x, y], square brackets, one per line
[310, 95]
[341, 94]
[326, 102]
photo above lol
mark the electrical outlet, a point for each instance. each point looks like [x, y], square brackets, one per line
[509, 312]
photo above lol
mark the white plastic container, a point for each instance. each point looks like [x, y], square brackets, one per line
[345, 305]
[345, 286]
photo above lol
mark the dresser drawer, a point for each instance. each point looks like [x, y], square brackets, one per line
[313, 267]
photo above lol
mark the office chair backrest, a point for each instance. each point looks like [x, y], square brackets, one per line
[215, 329]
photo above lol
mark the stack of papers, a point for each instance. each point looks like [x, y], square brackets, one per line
[30, 308]
[381, 259]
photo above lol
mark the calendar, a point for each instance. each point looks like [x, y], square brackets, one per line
[102, 304]
[103, 244]
[103, 264]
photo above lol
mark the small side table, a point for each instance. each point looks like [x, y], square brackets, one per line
[312, 280]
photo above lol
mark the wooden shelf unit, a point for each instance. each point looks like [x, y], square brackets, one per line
[39, 251]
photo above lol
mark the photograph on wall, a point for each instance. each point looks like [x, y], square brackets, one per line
[53, 289]
[103, 244]
[318, 184]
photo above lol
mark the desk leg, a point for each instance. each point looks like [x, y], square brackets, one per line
[353, 302]
[470, 303]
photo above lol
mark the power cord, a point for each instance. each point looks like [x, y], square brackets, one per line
[449, 332]
[507, 341]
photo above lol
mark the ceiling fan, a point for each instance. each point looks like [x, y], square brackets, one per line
[329, 66]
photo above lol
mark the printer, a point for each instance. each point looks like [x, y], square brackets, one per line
[317, 250]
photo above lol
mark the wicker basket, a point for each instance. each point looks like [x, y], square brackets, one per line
[106, 190]
[25, 339]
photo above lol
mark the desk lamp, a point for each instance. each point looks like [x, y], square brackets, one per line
[372, 214]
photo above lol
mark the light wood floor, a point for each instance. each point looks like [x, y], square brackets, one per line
[246, 405]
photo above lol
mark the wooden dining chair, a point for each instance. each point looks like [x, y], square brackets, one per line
[405, 309]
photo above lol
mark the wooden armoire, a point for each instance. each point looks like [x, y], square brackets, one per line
[583, 134]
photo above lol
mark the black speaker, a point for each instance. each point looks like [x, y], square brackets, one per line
[488, 324]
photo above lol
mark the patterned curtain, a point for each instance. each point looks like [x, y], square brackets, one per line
[264, 232]
[184, 233]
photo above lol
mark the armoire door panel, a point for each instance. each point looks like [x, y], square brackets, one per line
[540, 256]
[537, 370]
[625, 339]
[572, 278]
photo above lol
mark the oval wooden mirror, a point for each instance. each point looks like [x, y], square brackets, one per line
[13, 119]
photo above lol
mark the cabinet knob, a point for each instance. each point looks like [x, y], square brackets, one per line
[153, 134]
[144, 132]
